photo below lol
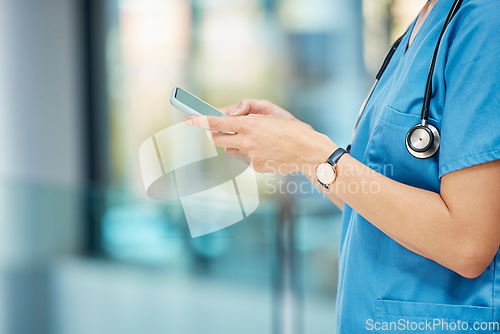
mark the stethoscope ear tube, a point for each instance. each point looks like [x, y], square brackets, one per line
[428, 87]
[422, 140]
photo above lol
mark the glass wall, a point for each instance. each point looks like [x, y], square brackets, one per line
[275, 271]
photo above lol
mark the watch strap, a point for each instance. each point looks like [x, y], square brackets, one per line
[324, 185]
[336, 155]
[332, 160]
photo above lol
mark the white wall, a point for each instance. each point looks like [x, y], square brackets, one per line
[40, 153]
[40, 91]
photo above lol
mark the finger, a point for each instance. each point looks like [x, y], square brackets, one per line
[228, 109]
[250, 106]
[232, 150]
[235, 153]
[225, 140]
[214, 123]
[210, 136]
[244, 107]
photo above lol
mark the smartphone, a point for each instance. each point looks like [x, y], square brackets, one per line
[192, 105]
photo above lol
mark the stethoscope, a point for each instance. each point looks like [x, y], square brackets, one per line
[423, 139]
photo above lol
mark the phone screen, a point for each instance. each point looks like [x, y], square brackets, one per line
[196, 104]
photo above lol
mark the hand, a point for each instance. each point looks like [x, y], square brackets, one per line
[273, 143]
[253, 106]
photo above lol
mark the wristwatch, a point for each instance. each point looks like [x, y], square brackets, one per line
[326, 172]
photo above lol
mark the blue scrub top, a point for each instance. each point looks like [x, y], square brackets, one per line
[384, 287]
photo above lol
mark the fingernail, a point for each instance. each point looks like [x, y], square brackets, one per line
[188, 121]
[210, 136]
[235, 111]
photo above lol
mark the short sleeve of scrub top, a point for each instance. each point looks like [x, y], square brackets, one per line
[384, 287]
[470, 124]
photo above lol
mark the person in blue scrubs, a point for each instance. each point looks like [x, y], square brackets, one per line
[420, 238]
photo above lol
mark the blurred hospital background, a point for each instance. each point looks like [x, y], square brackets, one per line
[83, 83]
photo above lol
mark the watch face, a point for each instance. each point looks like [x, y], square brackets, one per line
[325, 173]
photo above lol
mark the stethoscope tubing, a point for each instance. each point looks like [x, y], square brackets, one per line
[434, 133]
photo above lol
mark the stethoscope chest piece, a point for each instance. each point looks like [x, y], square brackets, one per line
[422, 141]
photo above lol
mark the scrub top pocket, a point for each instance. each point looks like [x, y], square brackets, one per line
[412, 317]
[387, 154]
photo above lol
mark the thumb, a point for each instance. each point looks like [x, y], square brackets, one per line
[244, 107]
[228, 109]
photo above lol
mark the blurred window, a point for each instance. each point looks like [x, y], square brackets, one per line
[304, 55]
